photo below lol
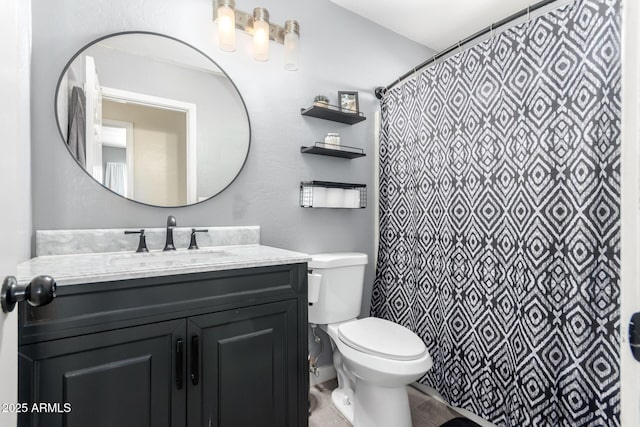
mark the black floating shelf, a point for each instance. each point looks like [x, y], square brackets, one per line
[342, 151]
[333, 113]
[331, 184]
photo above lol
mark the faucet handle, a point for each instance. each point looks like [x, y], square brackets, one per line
[142, 243]
[194, 244]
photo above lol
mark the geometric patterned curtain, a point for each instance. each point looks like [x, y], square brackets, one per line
[500, 220]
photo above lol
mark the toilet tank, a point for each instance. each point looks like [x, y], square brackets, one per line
[340, 286]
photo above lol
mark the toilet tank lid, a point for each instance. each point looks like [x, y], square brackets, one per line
[337, 259]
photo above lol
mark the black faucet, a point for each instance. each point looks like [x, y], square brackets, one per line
[194, 243]
[142, 243]
[171, 223]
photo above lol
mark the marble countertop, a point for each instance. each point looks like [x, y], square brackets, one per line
[113, 266]
[73, 242]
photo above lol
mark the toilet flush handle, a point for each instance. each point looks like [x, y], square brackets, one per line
[313, 287]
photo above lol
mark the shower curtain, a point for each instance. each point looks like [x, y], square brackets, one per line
[115, 177]
[499, 220]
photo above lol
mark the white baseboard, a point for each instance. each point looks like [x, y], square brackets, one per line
[434, 393]
[326, 373]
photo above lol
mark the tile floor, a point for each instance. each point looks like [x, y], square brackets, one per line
[425, 411]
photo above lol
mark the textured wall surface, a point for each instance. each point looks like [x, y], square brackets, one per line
[338, 51]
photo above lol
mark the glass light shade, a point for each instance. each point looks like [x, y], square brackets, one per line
[226, 28]
[291, 42]
[261, 40]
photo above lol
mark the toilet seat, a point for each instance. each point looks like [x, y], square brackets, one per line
[379, 370]
[382, 338]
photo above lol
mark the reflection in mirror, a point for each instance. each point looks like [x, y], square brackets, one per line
[152, 119]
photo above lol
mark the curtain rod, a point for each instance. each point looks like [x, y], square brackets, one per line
[381, 90]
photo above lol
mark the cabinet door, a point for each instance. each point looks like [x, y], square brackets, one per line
[243, 367]
[121, 378]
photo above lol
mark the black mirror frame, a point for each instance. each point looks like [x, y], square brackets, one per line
[60, 131]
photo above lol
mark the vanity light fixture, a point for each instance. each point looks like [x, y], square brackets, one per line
[226, 25]
[291, 42]
[260, 34]
[257, 25]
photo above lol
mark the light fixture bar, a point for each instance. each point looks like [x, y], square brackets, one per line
[244, 22]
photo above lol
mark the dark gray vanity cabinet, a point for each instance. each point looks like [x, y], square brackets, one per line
[115, 378]
[246, 354]
[219, 349]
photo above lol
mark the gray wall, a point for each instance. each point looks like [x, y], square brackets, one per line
[338, 51]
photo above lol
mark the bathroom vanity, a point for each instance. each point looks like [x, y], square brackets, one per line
[214, 337]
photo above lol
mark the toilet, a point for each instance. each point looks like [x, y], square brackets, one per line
[374, 359]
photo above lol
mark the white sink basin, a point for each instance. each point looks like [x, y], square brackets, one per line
[170, 258]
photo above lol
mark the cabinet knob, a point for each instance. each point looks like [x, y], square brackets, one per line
[195, 360]
[40, 291]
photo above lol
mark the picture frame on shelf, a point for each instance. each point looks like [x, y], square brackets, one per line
[348, 102]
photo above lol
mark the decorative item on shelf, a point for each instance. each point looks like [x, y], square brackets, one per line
[321, 101]
[257, 24]
[332, 140]
[348, 102]
[325, 194]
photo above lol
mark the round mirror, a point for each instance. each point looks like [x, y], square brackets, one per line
[152, 119]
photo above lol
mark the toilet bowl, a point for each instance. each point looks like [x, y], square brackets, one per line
[373, 372]
[374, 359]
